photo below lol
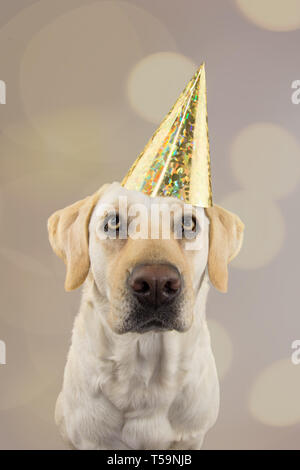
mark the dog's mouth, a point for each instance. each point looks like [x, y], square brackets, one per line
[142, 320]
[152, 325]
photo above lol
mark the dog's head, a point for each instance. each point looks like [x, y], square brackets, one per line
[146, 256]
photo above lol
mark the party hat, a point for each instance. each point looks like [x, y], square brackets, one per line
[176, 161]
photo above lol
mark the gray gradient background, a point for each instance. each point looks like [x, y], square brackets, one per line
[69, 126]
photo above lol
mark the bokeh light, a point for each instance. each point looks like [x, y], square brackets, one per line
[274, 397]
[266, 158]
[265, 228]
[77, 133]
[155, 83]
[59, 76]
[274, 15]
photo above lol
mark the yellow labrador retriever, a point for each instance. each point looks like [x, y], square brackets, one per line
[140, 372]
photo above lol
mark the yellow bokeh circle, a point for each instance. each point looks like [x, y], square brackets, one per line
[274, 397]
[273, 15]
[265, 228]
[265, 157]
[155, 83]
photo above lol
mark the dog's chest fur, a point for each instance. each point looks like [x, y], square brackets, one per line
[151, 391]
[141, 383]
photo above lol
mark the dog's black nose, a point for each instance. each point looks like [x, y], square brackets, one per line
[155, 284]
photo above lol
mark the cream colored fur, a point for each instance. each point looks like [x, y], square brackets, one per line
[138, 391]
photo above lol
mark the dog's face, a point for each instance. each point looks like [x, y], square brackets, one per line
[150, 283]
[146, 255]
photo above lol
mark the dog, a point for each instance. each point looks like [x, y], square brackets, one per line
[140, 372]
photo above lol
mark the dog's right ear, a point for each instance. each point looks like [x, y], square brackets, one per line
[68, 231]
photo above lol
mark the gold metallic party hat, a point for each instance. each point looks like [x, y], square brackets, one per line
[176, 161]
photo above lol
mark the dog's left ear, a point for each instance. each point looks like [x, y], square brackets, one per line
[225, 241]
[68, 231]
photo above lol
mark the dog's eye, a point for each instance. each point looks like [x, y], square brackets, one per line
[190, 227]
[112, 223]
[189, 224]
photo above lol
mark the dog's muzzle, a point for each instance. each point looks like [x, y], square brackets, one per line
[155, 288]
